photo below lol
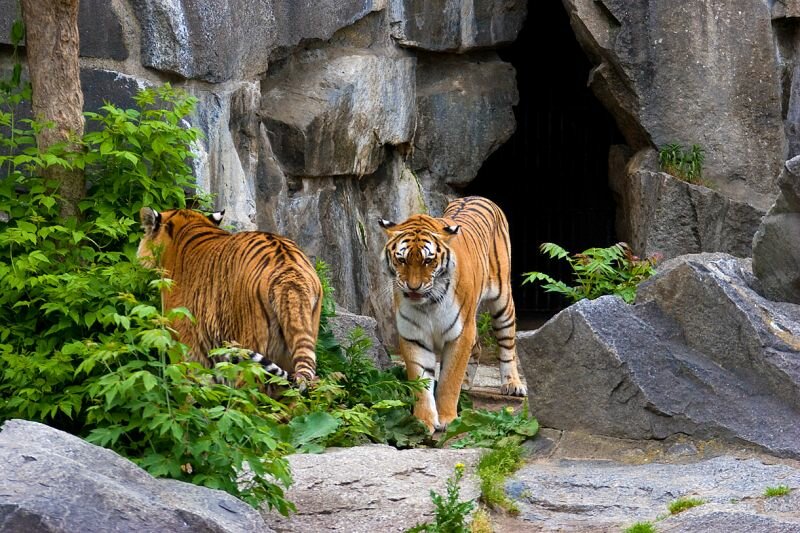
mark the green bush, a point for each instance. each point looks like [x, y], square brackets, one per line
[84, 345]
[597, 272]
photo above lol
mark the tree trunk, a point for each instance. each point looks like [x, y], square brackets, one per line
[52, 44]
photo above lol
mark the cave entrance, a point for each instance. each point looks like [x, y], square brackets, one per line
[551, 177]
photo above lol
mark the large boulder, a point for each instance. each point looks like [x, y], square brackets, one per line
[216, 42]
[578, 495]
[52, 481]
[776, 245]
[450, 144]
[701, 353]
[659, 213]
[456, 25]
[654, 61]
[371, 488]
[333, 111]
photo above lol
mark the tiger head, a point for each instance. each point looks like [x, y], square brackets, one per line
[160, 228]
[418, 258]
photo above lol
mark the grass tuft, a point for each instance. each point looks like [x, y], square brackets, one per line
[682, 504]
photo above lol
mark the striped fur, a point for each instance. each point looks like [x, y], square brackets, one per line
[443, 270]
[252, 289]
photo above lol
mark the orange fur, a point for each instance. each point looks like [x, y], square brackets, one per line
[255, 289]
[443, 269]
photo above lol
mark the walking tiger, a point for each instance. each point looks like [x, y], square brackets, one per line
[442, 270]
[255, 289]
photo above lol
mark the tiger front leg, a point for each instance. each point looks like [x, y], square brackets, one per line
[454, 366]
[421, 363]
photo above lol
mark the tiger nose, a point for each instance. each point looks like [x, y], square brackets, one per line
[414, 288]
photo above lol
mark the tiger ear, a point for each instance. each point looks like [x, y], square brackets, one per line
[150, 219]
[452, 230]
[216, 218]
[386, 224]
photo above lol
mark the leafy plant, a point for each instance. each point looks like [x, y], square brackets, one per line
[84, 346]
[641, 527]
[780, 490]
[682, 504]
[489, 429]
[686, 165]
[597, 272]
[451, 513]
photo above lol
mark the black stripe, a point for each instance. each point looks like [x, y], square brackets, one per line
[500, 344]
[504, 326]
[410, 321]
[418, 343]
[453, 323]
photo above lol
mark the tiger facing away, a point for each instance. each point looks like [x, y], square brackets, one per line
[443, 269]
[255, 289]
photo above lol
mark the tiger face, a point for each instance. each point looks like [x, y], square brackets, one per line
[419, 259]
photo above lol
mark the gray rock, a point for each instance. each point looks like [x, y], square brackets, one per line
[344, 323]
[456, 25]
[703, 355]
[658, 213]
[217, 42]
[99, 27]
[607, 496]
[776, 245]
[721, 316]
[100, 31]
[334, 110]
[371, 488]
[653, 63]
[55, 482]
[451, 145]
[101, 86]
[227, 156]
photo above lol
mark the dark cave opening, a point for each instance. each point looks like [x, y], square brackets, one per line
[551, 176]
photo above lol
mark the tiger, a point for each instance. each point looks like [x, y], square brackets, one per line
[253, 289]
[442, 271]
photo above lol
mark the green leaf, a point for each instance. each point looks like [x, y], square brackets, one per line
[312, 428]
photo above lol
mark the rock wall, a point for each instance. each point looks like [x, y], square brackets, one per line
[318, 118]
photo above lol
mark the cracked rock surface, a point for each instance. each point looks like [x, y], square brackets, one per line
[370, 488]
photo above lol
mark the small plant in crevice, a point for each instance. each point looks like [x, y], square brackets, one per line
[596, 272]
[450, 512]
[686, 165]
[640, 527]
[682, 504]
[494, 468]
[780, 490]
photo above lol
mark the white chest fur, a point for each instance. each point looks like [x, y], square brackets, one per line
[433, 325]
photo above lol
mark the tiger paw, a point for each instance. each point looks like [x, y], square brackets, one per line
[514, 389]
[303, 382]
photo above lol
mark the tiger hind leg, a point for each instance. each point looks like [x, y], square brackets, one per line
[472, 367]
[504, 325]
[298, 315]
